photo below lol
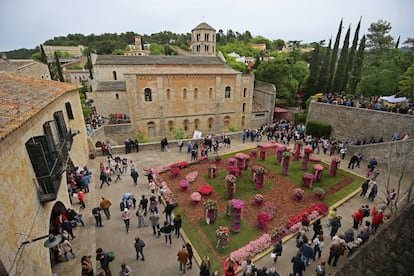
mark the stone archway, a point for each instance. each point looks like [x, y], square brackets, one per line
[57, 209]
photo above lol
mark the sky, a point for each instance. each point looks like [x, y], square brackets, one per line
[29, 23]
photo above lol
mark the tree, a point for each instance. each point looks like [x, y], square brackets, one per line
[279, 44]
[314, 68]
[378, 39]
[338, 84]
[406, 82]
[59, 72]
[409, 42]
[355, 76]
[156, 49]
[334, 56]
[351, 56]
[300, 72]
[325, 71]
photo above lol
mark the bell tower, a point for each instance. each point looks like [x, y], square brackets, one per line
[203, 40]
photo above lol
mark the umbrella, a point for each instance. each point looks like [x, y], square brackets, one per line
[126, 195]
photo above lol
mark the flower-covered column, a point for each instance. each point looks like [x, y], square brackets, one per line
[286, 160]
[211, 211]
[263, 154]
[298, 148]
[279, 154]
[222, 235]
[307, 180]
[230, 181]
[334, 166]
[306, 155]
[237, 205]
[317, 171]
[212, 171]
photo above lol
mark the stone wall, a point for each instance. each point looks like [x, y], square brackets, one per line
[390, 252]
[351, 123]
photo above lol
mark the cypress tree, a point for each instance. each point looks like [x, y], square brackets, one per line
[314, 68]
[323, 81]
[59, 69]
[357, 67]
[43, 57]
[338, 84]
[334, 56]
[398, 43]
[351, 57]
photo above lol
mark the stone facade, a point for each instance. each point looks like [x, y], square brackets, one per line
[25, 67]
[389, 253]
[24, 217]
[203, 40]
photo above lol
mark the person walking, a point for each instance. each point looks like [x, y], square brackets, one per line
[141, 219]
[126, 216]
[335, 251]
[134, 175]
[139, 248]
[125, 270]
[168, 211]
[177, 221]
[307, 252]
[277, 250]
[318, 245]
[105, 204]
[66, 248]
[391, 194]
[320, 269]
[104, 178]
[364, 188]
[155, 222]
[317, 228]
[373, 192]
[102, 257]
[336, 224]
[96, 212]
[143, 205]
[298, 265]
[118, 172]
[205, 267]
[81, 197]
[87, 266]
[182, 258]
[166, 230]
[190, 255]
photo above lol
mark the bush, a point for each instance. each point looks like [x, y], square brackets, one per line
[300, 118]
[318, 129]
[142, 138]
[233, 129]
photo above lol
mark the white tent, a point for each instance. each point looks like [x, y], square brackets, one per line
[393, 99]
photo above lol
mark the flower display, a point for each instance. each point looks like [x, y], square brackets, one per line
[184, 184]
[175, 171]
[205, 190]
[298, 194]
[279, 233]
[180, 165]
[222, 233]
[217, 157]
[318, 191]
[241, 155]
[195, 197]
[262, 220]
[211, 205]
[192, 176]
[252, 248]
[237, 203]
[258, 199]
[269, 208]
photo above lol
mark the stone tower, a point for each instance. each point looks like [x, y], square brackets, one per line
[203, 40]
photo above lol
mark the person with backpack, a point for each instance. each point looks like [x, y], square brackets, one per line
[96, 212]
[104, 259]
[125, 270]
[277, 250]
[320, 269]
[139, 248]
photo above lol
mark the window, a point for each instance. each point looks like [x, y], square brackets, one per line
[227, 92]
[148, 94]
[114, 75]
[60, 125]
[186, 123]
[117, 96]
[184, 94]
[206, 38]
[244, 92]
[195, 93]
[244, 107]
[205, 48]
[259, 115]
[171, 126]
[168, 94]
[198, 47]
[198, 37]
[210, 93]
[210, 123]
[196, 123]
[69, 110]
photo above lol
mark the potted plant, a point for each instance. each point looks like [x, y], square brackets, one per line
[184, 184]
[205, 190]
[258, 199]
[262, 220]
[298, 194]
[318, 192]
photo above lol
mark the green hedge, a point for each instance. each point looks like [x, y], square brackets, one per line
[318, 129]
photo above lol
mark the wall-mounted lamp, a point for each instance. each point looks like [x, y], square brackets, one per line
[51, 241]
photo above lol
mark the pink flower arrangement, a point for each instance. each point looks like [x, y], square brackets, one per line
[237, 203]
[251, 249]
[241, 155]
[184, 184]
[192, 176]
[205, 190]
[195, 197]
[180, 165]
[222, 233]
[269, 208]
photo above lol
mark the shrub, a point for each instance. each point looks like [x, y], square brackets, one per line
[318, 129]
[142, 138]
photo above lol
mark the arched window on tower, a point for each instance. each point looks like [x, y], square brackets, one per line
[114, 75]
[148, 94]
[244, 107]
[210, 93]
[244, 92]
[195, 93]
[184, 94]
[168, 94]
[227, 92]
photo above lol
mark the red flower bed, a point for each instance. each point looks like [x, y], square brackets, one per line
[262, 221]
[205, 190]
[181, 165]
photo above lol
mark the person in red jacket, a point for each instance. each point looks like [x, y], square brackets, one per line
[81, 197]
[377, 219]
[358, 216]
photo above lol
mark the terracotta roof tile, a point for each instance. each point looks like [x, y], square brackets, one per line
[22, 97]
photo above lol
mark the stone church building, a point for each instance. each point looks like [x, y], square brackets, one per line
[197, 92]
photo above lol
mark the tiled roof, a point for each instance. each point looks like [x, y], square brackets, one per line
[157, 60]
[257, 107]
[111, 86]
[184, 70]
[22, 97]
[203, 26]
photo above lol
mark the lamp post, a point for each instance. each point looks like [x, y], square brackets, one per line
[52, 240]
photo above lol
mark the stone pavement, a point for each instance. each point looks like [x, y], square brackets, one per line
[160, 259]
